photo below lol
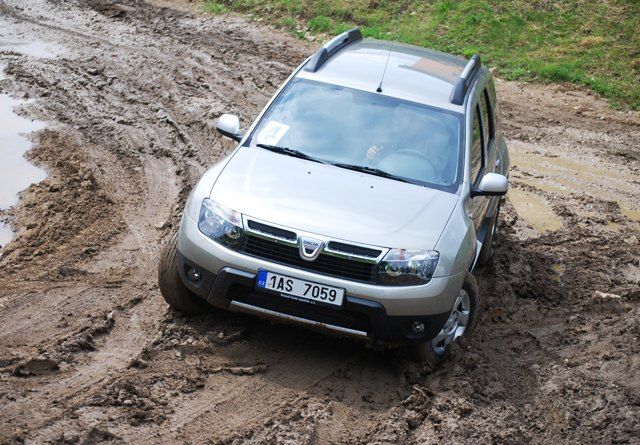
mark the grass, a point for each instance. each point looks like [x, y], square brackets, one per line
[590, 43]
[214, 7]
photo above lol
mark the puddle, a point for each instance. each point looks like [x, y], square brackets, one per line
[37, 49]
[559, 269]
[5, 235]
[16, 173]
[630, 213]
[563, 176]
[534, 210]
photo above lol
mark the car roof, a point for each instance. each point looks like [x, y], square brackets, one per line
[412, 73]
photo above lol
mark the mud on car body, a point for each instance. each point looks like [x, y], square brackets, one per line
[358, 202]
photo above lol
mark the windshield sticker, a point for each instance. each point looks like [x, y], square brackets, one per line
[272, 133]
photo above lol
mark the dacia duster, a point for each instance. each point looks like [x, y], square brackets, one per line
[359, 202]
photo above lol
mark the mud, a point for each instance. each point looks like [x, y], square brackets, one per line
[90, 353]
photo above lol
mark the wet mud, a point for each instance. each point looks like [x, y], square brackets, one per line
[90, 353]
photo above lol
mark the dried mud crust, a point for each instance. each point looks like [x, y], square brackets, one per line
[90, 353]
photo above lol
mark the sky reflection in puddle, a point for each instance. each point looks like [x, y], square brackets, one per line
[16, 173]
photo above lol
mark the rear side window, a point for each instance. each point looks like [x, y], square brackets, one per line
[487, 118]
[477, 160]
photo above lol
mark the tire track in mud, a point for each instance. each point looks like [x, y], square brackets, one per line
[134, 328]
[232, 406]
[130, 105]
[140, 239]
[122, 344]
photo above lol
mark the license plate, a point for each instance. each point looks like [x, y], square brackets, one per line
[297, 289]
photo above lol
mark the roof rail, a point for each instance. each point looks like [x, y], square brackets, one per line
[462, 85]
[331, 47]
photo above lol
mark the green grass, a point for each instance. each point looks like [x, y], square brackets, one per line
[590, 43]
[214, 7]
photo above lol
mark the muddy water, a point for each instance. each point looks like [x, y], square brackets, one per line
[562, 175]
[5, 235]
[37, 48]
[535, 210]
[16, 173]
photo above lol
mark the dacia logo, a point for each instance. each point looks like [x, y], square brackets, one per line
[310, 248]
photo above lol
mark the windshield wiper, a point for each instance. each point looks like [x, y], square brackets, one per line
[372, 171]
[290, 152]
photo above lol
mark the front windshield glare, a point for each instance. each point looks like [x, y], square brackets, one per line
[346, 126]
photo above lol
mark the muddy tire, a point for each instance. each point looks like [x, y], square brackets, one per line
[173, 290]
[432, 354]
[486, 253]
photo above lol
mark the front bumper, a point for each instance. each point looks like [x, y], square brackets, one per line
[380, 313]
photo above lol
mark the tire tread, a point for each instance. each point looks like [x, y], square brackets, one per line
[423, 353]
[171, 287]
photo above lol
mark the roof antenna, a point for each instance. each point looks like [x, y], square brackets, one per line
[379, 89]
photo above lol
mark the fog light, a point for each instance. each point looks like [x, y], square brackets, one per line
[418, 327]
[194, 274]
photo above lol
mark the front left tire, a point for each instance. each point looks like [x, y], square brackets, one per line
[458, 327]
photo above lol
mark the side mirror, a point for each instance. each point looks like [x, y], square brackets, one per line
[229, 125]
[491, 184]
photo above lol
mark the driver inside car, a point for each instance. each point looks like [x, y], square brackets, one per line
[417, 142]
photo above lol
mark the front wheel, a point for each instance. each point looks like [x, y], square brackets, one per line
[171, 286]
[458, 327]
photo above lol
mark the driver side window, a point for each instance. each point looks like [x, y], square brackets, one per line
[477, 159]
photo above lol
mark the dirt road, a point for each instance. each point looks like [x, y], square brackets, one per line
[89, 351]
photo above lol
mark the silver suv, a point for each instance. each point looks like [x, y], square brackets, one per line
[358, 202]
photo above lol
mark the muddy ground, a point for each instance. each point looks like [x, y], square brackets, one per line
[89, 351]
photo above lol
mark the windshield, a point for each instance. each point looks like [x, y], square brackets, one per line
[365, 131]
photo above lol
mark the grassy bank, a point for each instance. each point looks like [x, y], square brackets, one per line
[591, 43]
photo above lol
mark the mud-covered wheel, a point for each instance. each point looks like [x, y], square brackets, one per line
[458, 327]
[486, 253]
[171, 286]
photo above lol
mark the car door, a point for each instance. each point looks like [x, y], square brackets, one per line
[489, 134]
[477, 166]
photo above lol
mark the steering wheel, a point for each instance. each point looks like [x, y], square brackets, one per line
[413, 152]
[418, 154]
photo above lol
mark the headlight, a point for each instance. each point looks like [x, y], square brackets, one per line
[401, 267]
[221, 224]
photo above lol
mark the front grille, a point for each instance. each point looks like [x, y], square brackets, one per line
[273, 231]
[355, 250]
[324, 264]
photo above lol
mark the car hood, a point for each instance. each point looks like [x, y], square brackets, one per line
[333, 202]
